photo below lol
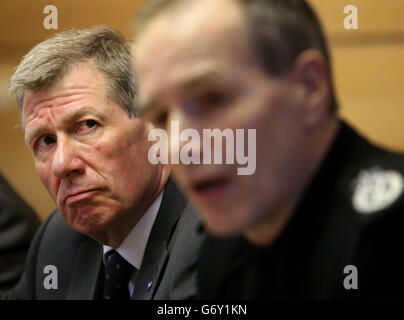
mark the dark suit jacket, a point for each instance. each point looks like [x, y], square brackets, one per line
[18, 223]
[169, 260]
[327, 232]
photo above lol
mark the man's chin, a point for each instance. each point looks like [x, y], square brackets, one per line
[221, 224]
[86, 222]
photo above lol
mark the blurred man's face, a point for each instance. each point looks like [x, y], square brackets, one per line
[194, 66]
[89, 154]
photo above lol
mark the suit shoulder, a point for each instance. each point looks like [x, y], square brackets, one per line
[188, 234]
[58, 239]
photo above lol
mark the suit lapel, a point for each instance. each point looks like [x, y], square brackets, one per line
[156, 254]
[86, 280]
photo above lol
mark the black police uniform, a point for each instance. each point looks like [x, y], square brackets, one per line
[345, 239]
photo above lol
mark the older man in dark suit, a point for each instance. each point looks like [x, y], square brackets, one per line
[120, 226]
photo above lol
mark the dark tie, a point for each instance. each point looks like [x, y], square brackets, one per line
[117, 275]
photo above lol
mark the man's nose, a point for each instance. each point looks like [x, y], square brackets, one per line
[66, 161]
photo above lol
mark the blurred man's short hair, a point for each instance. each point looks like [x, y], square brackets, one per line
[278, 31]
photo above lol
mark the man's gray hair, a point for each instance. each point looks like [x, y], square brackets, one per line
[50, 60]
[277, 30]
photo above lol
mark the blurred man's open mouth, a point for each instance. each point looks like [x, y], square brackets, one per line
[209, 189]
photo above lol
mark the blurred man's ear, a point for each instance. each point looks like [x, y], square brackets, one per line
[310, 73]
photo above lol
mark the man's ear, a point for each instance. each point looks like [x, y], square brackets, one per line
[310, 73]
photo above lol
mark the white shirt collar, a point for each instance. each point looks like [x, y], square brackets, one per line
[133, 246]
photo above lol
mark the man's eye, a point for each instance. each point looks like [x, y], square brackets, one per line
[160, 119]
[207, 101]
[90, 123]
[213, 98]
[45, 141]
[86, 125]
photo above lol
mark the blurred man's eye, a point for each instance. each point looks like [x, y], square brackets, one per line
[160, 119]
[213, 98]
[156, 115]
[206, 101]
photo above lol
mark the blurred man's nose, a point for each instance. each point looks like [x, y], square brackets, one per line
[66, 162]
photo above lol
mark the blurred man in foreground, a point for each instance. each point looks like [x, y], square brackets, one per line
[122, 229]
[322, 214]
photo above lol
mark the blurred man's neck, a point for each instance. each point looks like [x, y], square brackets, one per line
[267, 231]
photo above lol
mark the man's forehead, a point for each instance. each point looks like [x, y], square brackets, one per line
[191, 23]
[32, 100]
[176, 39]
[82, 78]
[41, 109]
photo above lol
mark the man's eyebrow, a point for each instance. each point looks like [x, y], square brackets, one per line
[197, 81]
[78, 113]
[187, 85]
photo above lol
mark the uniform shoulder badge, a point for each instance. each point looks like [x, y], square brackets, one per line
[376, 189]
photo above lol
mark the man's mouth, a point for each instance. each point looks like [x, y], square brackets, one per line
[76, 197]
